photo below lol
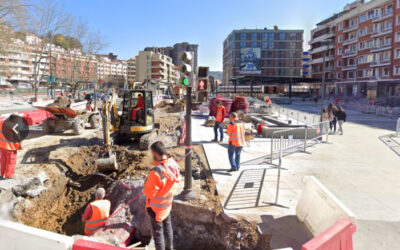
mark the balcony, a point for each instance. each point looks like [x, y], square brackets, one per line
[350, 28]
[383, 16]
[381, 47]
[382, 32]
[349, 67]
[320, 49]
[350, 41]
[321, 59]
[322, 37]
[380, 63]
[349, 53]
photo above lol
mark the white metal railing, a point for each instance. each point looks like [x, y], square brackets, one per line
[302, 118]
[295, 139]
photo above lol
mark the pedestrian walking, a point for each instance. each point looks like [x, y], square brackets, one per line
[341, 116]
[332, 110]
[159, 189]
[324, 121]
[236, 133]
[219, 119]
[8, 149]
[96, 213]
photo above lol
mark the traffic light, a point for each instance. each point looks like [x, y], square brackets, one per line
[184, 81]
[186, 66]
[202, 84]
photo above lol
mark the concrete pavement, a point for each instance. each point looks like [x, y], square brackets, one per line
[358, 168]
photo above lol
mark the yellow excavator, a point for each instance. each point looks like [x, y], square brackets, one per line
[135, 121]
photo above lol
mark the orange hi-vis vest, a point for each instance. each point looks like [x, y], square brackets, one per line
[160, 187]
[236, 133]
[100, 213]
[6, 144]
[220, 117]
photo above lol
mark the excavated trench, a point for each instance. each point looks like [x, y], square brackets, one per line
[200, 224]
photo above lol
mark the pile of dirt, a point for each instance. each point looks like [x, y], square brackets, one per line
[169, 122]
[169, 107]
[60, 102]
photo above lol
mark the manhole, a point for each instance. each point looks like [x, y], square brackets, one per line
[249, 185]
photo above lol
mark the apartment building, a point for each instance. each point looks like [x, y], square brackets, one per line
[155, 66]
[269, 52]
[112, 70]
[131, 70]
[360, 47]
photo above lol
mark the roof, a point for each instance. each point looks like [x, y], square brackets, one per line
[258, 79]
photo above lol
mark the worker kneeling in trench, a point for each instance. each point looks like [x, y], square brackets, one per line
[159, 189]
[96, 213]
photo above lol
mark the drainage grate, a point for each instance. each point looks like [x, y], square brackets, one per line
[247, 190]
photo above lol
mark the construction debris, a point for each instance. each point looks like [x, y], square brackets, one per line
[60, 102]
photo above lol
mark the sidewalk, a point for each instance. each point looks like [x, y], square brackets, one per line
[358, 168]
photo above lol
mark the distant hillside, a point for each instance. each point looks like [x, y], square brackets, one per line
[216, 74]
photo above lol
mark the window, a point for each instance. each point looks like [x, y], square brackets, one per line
[242, 44]
[386, 72]
[398, 36]
[271, 36]
[253, 36]
[264, 36]
[264, 45]
[363, 31]
[361, 60]
[339, 51]
[386, 55]
[339, 75]
[363, 17]
[243, 36]
[398, 20]
[270, 45]
[388, 24]
[339, 63]
[397, 54]
[293, 36]
[370, 44]
[340, 39]
[282, 36]
[340, 26]
[361, 46]
[396, 70]
[254, 44]
[351, 75]
[371, 14]
[353, 22]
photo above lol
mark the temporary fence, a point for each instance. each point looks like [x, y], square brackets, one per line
[385, 111]
[398, 127]
[296, 139]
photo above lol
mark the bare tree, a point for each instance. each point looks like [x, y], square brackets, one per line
[46, 20]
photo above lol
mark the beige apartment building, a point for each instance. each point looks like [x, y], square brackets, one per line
[131, 70]
[156, 67]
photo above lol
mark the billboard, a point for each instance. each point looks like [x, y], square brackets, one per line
[250, 61]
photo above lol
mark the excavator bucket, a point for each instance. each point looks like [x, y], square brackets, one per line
[105, 164]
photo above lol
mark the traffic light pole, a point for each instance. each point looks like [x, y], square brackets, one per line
[187, 193]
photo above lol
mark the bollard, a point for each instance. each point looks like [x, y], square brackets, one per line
[305, 139]
[279, 171]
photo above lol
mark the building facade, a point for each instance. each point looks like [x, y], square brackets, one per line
[262, 52]
[131, 70]
[111, 70]
[361, 50]
[156, 67]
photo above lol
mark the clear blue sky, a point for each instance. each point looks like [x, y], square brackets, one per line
[130, 25]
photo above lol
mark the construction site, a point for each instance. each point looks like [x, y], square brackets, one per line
[77, 149]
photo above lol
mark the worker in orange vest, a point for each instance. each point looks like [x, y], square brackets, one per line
[8, 148]
[96, 213]
[219, 119]
[159, 189]
[236, 133]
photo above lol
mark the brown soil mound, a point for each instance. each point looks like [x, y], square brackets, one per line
[60, 102]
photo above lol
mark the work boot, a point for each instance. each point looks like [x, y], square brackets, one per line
[214, 140]
[231, 170]
[221, 140]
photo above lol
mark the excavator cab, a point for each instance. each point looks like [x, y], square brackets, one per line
[137, 112]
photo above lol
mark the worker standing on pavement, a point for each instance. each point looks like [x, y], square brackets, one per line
[219, 119]
[8, 147]
[97, 212]
[159, 189]
[236, 133]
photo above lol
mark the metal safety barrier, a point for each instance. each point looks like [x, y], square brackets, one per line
[295, 139]
[298, 116]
